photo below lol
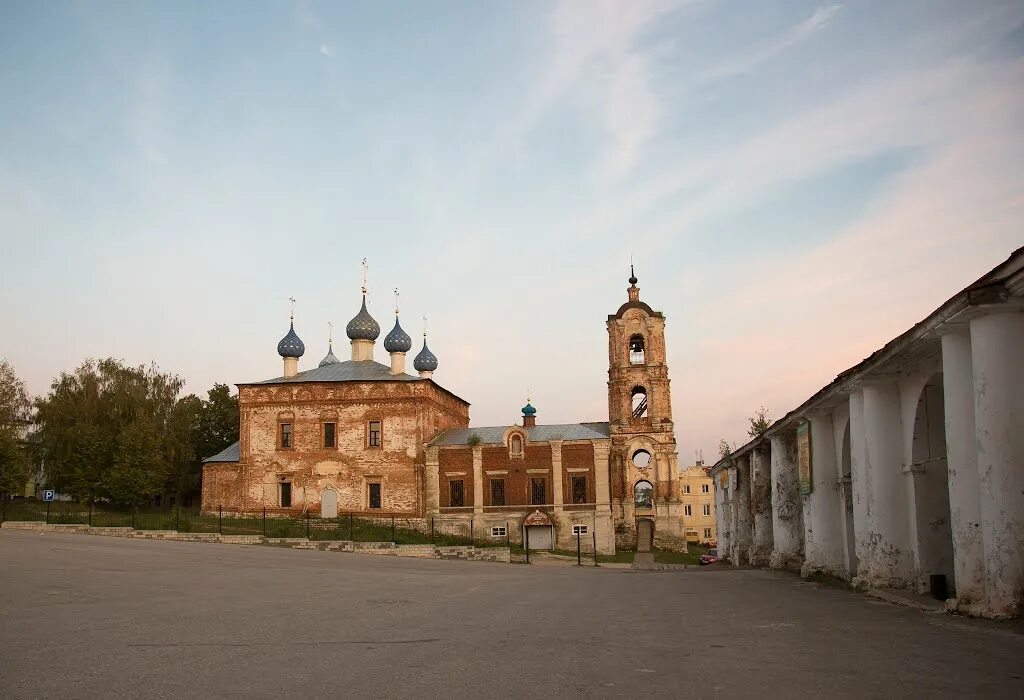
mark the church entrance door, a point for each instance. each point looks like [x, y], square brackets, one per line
[329, 504]
[540, 536]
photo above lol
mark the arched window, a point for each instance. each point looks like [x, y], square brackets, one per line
[639, 402]
[643, 495]
[641, 459]
[636, 350]
[516, 445]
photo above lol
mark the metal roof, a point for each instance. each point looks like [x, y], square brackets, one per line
[347, 371]
[228, 454]
[492, 435]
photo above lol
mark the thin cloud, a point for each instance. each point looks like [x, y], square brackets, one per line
[327, 50]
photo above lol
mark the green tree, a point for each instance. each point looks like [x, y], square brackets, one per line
[218, 422]
[15, 417]
[107, 430]
[759, 422]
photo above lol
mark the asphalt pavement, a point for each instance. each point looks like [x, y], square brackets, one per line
[95, 617]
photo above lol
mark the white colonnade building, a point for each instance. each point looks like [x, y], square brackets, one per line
[907, 471]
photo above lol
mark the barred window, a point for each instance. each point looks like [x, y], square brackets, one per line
[457, 493]
[374, 495]
[538, 492]
[328, 434]
[286, 435]
[579, 489]
[580, 529]
[497, 492]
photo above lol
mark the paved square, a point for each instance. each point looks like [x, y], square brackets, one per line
[86, 616]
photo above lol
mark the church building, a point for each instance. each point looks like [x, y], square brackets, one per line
[358, 436]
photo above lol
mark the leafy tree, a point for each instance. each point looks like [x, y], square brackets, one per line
[15, 416]
[106, 430]
[218, 422]
[724, 448]
[759, 422]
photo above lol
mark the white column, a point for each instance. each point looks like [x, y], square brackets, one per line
[761, 504]
[744, 519]
[602, 494]
[860, 479]
[823, 544]
[786, 516]
[962, 460]
[556, 474]
[997, 348]
[890, 556]
[720, 516]
[478, 479]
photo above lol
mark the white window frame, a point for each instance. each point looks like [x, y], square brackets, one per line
[687, 509]
[707, 509]
[705, 488]
[580, 530]
[707, 533]
[498, 531]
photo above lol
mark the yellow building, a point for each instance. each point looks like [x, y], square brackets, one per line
[698, 500]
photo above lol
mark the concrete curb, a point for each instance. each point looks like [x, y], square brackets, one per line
[416, 551]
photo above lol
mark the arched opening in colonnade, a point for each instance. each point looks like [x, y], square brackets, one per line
[930, 487]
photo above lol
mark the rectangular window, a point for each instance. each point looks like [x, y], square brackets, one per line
[497, 492]
[686, 488]
[286, 435]
[538, 492]
[704, 488]
[579, 489]
[579, 529]
[457, 493]
[687, 510]
[707, 532]
[498, 531]
[374, 495]
[285, 494]
[329, 435]
[373, 435]
[707, 509]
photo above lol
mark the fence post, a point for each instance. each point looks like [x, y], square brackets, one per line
[133, 516]
[264, 521]
[579, 561]
[90, 511]
[472, 531]
[351, 532]
[594, 532]
[177, 516]
[432, 540]
[3, 506]
[307, 525]
[393, 540]
[526, 542]
[220, 519]
[507, 533]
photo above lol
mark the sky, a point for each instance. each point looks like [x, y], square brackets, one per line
[796, 183]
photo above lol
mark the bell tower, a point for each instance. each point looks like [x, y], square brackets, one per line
[644, 464]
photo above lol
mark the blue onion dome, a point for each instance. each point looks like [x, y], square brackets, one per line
[363, 327]
[425, 360]
[290, 345]
[398, 340]
[329, 359]
[529, 410]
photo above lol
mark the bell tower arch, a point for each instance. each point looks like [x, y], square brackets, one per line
[644, 464]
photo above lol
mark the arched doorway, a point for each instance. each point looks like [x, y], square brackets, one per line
[933, 542]
[329, 504]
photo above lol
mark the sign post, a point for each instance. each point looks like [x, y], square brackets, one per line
[48, 497]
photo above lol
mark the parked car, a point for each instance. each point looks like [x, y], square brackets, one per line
[709, 557]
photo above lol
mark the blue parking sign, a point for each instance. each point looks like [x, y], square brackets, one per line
[48, 495]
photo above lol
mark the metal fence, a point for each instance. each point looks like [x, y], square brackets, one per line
[355, 527]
